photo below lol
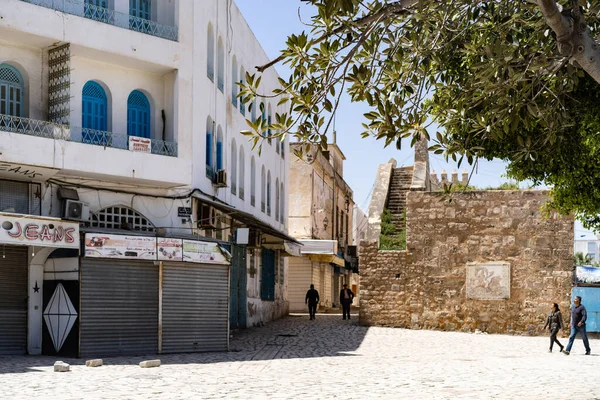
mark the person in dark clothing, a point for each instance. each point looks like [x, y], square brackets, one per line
[346, 297]
[312, 299]
[555, 323]
[578, 318]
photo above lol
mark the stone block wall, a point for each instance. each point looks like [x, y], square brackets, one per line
[424, 287]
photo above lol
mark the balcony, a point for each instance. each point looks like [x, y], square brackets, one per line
[108, 16]
[50, 130]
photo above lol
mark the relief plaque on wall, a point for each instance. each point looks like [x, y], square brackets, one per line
[488, 281]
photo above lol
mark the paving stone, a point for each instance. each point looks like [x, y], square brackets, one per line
[94, 363]
[150, 364]
[60, 366]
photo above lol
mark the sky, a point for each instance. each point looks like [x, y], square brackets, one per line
[272, 21]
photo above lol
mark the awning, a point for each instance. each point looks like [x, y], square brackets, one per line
[289, 249]
[326, 258]
[247, 219]
[310, 246]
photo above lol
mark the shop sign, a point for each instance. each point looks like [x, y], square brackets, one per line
[142, 145]
[99, 245]
[170, 249]
[42, 232]
[20, 172]
[203, 252]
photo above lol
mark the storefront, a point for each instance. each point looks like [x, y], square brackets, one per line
[147, 295]
[26, 243]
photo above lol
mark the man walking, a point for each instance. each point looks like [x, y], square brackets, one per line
[578, 318]
[312, 299]
[346, 297]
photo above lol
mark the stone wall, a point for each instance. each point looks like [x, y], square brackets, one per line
[425, 286]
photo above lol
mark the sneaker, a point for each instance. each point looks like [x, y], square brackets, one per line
[566, 352]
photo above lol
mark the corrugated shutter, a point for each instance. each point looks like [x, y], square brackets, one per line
[119, 308]
[13, 300]
[195, 311]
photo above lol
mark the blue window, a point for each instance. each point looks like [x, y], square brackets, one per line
[96, 10]
[140, 8]
[219, 148]
[11, 91]
[93, 114]
[210, 171]
[138, 115]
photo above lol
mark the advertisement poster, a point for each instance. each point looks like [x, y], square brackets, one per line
[203, 252]
[170, 249]
[100, 245]
[590, 275]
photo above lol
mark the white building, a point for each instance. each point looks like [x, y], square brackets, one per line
[588, 245]
[122, 115]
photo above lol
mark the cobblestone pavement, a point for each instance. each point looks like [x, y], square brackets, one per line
[327, 358]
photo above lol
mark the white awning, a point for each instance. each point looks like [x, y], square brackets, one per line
[318, 246]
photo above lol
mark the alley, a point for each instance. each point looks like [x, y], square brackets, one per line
[326, 358]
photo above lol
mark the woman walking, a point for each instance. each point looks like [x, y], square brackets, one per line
[555, 322]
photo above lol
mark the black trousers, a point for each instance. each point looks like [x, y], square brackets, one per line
[312, 310]
[553, 338]
[346, 308]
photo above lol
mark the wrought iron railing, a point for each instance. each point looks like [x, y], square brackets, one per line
[45, 129]
[83, 9]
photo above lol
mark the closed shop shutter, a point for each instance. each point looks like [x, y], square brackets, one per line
[195, 309]
[119, 308]
[13, 300]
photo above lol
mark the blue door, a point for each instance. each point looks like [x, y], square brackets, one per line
[590, 298]
[93, 115]
[141, 13]
[96, 10]
[11, 91]
[138, 115]
[237, 288]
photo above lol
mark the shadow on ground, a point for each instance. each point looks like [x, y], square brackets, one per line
[289, 338]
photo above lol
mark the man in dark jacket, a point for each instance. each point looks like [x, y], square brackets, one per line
[312, 299]
[578, 318]
[346, 297]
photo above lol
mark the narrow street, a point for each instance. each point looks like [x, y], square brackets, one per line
[326, 358]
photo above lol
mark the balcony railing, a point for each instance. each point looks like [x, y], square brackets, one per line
[108, 16]
[45, 129]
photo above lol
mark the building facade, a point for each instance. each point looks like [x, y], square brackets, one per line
[119, 123]
[321, 217]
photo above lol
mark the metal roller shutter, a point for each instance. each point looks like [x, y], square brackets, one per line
[195, 310]
[13, 300]
[119, 308]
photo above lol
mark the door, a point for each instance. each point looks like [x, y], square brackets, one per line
[96, 10]
[140, 12]
[590, 298]
[119, 308]
[267, 291]
[13, 300]
[238, 288]
[194, 307]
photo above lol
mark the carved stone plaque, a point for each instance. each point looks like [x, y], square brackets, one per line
[488, 281]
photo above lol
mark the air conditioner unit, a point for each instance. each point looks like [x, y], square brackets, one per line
[76, 211]
[221, 180]
[207, 216]
[254, 239]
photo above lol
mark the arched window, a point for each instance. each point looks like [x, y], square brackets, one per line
[269, 125]
[121, 217]
[253, 112]
[269, 193]
[210, 53]
[93, 114]
[242, 167]
[263, 193]
[277, 144]
[233, 167]
[141, 9]
[210, 172]
[234, 79]
[138, 115]
[219, 148]
[242, 81]
[12, 90]
[282, 203]
[220, 65]
[252, 182]
[263, 111]
[277, 199]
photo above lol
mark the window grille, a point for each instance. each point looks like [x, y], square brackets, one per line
[121, 218]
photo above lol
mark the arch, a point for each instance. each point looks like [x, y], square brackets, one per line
[121, 217]
[263, 185]
[219, 148]
[233, 167]
[253, 181]
[242, 167]
[282, 202]
[209, 148]
[12, 91]
[269, 193]
[242, 81]
[138, 115]
[220, 65]
[277, 199]
[210, 53]
[234, 79]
